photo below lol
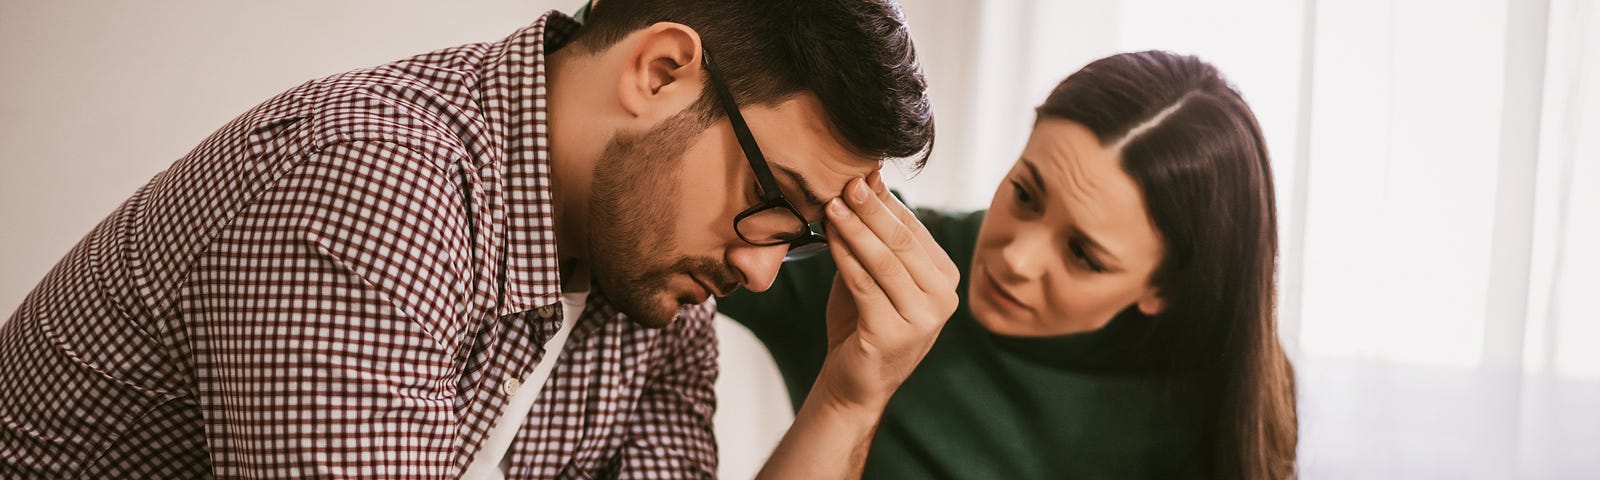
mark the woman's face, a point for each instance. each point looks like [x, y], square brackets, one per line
[1067, 242]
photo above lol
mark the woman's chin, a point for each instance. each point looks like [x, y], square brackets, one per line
[992, 319]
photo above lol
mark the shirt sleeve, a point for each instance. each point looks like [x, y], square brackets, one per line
[322, 321]
[670, 433]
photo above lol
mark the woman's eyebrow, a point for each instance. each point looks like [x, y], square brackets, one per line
[1089, 243]
[1033, 174]
[1087, 240]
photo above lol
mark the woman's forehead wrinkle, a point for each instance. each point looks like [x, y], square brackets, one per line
[1064, 173]
[1091, 203]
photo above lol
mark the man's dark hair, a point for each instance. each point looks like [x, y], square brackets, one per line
[854, 55]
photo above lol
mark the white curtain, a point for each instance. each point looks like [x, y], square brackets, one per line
[1437, 165]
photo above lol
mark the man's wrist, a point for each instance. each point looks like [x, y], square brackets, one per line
[826, 397]
[829, 438]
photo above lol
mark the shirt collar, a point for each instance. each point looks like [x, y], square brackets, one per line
[515, 102]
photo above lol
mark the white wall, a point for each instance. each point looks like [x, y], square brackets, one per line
[98, 96]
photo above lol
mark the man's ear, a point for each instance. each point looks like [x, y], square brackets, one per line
[1153, 301]
[662, 74]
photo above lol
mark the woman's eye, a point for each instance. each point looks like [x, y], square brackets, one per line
[1023, 197]
[1082, 256]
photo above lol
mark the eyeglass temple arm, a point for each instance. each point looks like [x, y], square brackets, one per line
[747, 142]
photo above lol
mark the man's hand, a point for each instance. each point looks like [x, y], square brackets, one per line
[894, 290]
[893, 293]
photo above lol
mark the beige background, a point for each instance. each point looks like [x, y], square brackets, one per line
[100, 96]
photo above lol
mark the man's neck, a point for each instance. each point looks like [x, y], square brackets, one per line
[574, 276]
[573, 152]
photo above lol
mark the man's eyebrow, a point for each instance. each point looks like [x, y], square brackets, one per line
[811, 198]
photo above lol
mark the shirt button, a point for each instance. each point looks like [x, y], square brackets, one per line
[547, 311]
[510, 385]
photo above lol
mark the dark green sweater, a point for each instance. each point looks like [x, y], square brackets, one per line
[987, 406]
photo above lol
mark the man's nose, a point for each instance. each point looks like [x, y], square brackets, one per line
[758, 265]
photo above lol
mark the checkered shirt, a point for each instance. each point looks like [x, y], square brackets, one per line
[347, 281]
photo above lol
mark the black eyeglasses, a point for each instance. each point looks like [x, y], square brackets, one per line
[773, 221]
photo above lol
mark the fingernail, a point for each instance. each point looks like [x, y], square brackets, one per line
[858, 192]
[837, 208]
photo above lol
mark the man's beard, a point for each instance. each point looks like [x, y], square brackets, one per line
[634, 199]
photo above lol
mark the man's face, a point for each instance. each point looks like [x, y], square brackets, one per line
[663, 204]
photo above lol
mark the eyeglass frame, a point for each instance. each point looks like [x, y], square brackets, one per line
[767, 186]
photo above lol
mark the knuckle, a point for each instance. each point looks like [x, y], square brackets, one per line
[949, 268]
[900, 240]
[860, 282]
[885, 263]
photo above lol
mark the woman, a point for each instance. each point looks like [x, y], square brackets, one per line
[1117, 316]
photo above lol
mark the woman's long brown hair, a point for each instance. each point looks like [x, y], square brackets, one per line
[1194, 147]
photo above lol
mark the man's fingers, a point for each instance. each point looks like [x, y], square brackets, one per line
[869, 296]
[900, 211]
[899, 238]
[882, 263]
[910, 220]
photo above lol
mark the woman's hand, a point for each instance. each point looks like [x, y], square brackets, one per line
[893, 293]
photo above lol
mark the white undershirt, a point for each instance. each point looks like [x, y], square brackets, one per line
[494, 459]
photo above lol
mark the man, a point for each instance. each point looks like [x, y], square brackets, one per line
[495, 260]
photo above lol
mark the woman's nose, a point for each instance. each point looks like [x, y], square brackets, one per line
[1025, 256]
